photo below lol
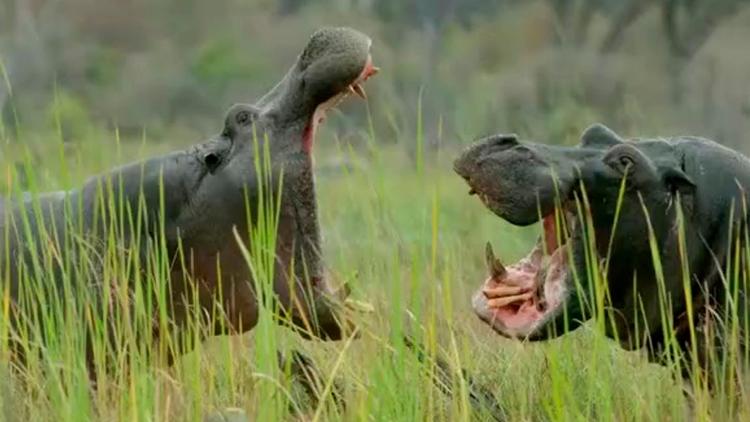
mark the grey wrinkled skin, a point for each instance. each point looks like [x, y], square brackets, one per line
[524, 181]
[518, 180]
[209, 190]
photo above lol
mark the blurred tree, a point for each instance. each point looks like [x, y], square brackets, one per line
[686, 24]
[435, 12]
[625, 15]
[573, 19]
[23, 51]
[433, 17]
[288, 7]
[689, 23]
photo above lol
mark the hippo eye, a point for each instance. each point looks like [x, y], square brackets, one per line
[212, 161]
[524, 152]
[243, 117]
[621, 162]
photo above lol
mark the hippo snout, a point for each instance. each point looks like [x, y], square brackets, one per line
[471, 159]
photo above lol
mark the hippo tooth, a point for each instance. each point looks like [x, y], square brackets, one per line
[494, 266]
[357, 88]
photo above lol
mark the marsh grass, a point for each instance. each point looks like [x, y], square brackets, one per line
[408, 238]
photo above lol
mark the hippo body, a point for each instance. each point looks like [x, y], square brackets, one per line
[197, 208]
[650, 224]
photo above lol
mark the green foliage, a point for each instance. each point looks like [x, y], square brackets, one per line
[68, 116]
[220, 62]
[103, 66]
[565, 123]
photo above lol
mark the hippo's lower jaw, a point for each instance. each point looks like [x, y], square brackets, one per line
[518, 301]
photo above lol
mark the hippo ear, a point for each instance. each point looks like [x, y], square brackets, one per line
[677, 181]
[599, 136]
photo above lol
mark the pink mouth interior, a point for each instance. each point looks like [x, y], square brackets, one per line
[319, 116]
[542, 271]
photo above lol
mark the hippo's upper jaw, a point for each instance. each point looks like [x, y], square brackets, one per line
[518, 181]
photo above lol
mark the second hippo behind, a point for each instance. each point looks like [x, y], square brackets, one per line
[611, 209]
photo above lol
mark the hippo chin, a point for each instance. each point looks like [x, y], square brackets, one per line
[605, 205]
[203, 203]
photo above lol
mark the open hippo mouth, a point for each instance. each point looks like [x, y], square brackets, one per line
[355, 88]
[524, 183]
[519, 299]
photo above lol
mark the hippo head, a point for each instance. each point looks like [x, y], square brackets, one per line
[601, 204]
[262, 158]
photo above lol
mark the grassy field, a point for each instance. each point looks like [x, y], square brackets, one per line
[410, 240]
[398, 223]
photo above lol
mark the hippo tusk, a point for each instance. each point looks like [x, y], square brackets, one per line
[359, 306]
[494, 266]
[358, 90]
[355, 305]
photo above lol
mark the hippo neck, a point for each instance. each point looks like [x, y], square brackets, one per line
[301, 210]
[286, 101]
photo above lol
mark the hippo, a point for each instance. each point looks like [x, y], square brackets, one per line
[642, 235]
[204, 210]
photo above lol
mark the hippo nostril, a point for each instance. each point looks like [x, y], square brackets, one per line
[212, 161]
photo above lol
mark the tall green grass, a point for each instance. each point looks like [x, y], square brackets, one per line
[409, 240]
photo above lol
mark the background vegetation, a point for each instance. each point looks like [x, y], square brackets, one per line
[88, 84]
